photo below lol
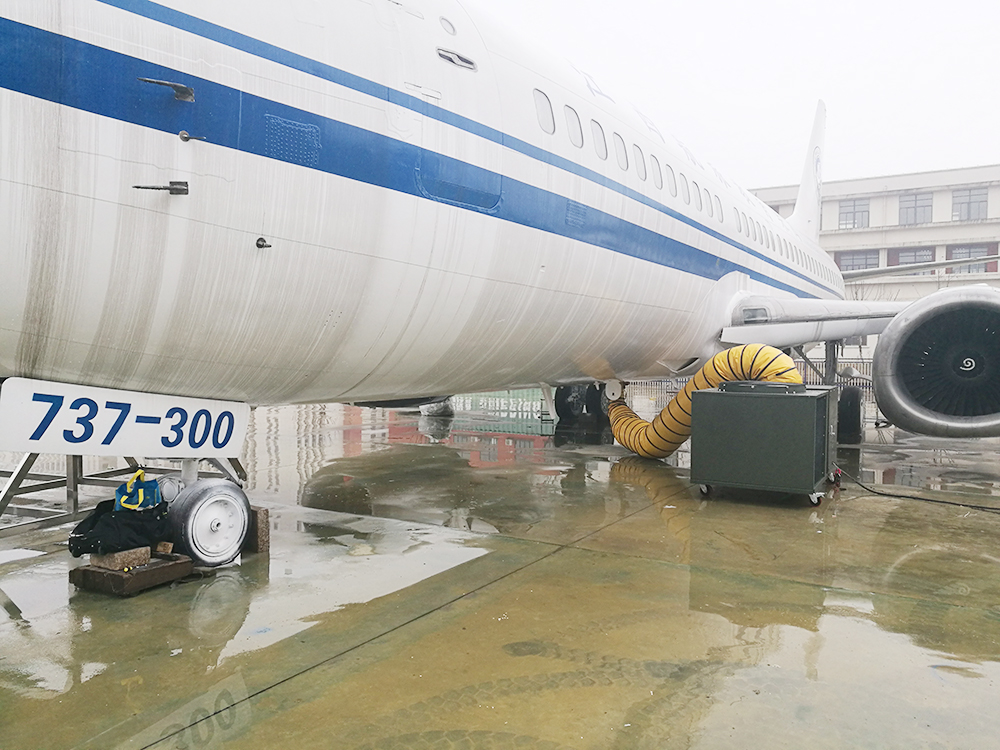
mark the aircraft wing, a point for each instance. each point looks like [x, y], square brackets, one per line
[792, 322]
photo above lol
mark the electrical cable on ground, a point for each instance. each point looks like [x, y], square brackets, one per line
[986, 508]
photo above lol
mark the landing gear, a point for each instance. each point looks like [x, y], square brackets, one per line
[209, 519]
[571, 400]
[850, 421]
[597, 401]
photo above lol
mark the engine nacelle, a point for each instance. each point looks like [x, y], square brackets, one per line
[937, 364]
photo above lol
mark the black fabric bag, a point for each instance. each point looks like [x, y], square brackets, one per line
[107, 530]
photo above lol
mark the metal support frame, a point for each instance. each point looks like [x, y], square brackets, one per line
[830, 361]
[21, 481]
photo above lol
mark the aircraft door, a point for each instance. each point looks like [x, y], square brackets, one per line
[447, 67]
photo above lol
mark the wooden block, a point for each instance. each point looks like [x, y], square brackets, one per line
[130, 558]
[161, 569]
[165, 548]
[258, 537]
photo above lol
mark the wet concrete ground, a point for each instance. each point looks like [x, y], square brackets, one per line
[490, 581]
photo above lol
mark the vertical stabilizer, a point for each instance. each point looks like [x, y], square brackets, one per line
[806, 216]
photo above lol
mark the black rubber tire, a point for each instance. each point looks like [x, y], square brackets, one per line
[209, 521]
[850, 425]
[570, 401]
[597, 401]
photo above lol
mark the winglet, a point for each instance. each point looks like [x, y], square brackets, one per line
[806, 216]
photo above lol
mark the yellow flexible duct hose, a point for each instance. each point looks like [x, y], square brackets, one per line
[672, 426]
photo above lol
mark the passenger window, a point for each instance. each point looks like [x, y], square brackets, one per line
[763, 233]
[753, 229]
[620, 151]
[573, 126]
[770, 236]
[685, 192]
[671, 180]
[640, 162]
[543, 108]
[696, 192]
[720, 215]
[600, 145]
[654, 167]
[708, 201]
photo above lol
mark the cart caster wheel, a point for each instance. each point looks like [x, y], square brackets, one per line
[815, 499]
[705, 489]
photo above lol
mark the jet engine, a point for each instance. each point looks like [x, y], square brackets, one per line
[937, 364]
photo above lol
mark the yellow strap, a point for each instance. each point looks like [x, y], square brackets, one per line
[140, 475]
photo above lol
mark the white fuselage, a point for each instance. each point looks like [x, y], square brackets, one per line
[367, 218]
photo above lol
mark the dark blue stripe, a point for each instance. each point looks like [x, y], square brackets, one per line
[103, 82]
[289, 59]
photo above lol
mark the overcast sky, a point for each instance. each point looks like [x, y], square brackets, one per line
[909, 85]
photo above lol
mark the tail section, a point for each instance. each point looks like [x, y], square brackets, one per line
[806, 216]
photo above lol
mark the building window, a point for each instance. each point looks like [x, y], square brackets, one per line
[600, 145]
[574, 127]
[908, 255]
[854, 214]
[916, 208]
[856, 260]
[971, 251]
[543, 108]
[968, 204]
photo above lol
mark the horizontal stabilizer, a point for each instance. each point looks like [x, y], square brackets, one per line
[874, 273]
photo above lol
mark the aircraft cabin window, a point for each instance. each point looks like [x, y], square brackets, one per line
[767, 241]
[753, 229]
[640, 162]
[718, 210]
[543, 108]
[620, 150]
[600, 145]
[574, 127]
[708, 201]
[770, 237]
[685, 192]
[654, 167]
[671, 179]
[696, 192]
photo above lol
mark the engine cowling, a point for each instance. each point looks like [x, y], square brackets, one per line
[936, 369]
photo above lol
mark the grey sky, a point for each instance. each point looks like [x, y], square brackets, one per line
[909, 86]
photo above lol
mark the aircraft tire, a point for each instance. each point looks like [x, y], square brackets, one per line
[209, 520]
[570, 400]
[597, 401]
[850, 427]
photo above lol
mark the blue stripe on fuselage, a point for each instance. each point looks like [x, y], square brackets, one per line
[255, 47]
[93, 79]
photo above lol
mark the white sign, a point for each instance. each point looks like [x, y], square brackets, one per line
[38, 416]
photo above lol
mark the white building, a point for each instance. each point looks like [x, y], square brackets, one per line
[908, 218]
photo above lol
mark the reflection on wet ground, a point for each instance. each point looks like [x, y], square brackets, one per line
[492, 580]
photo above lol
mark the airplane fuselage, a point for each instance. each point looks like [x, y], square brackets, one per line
[367, 203]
